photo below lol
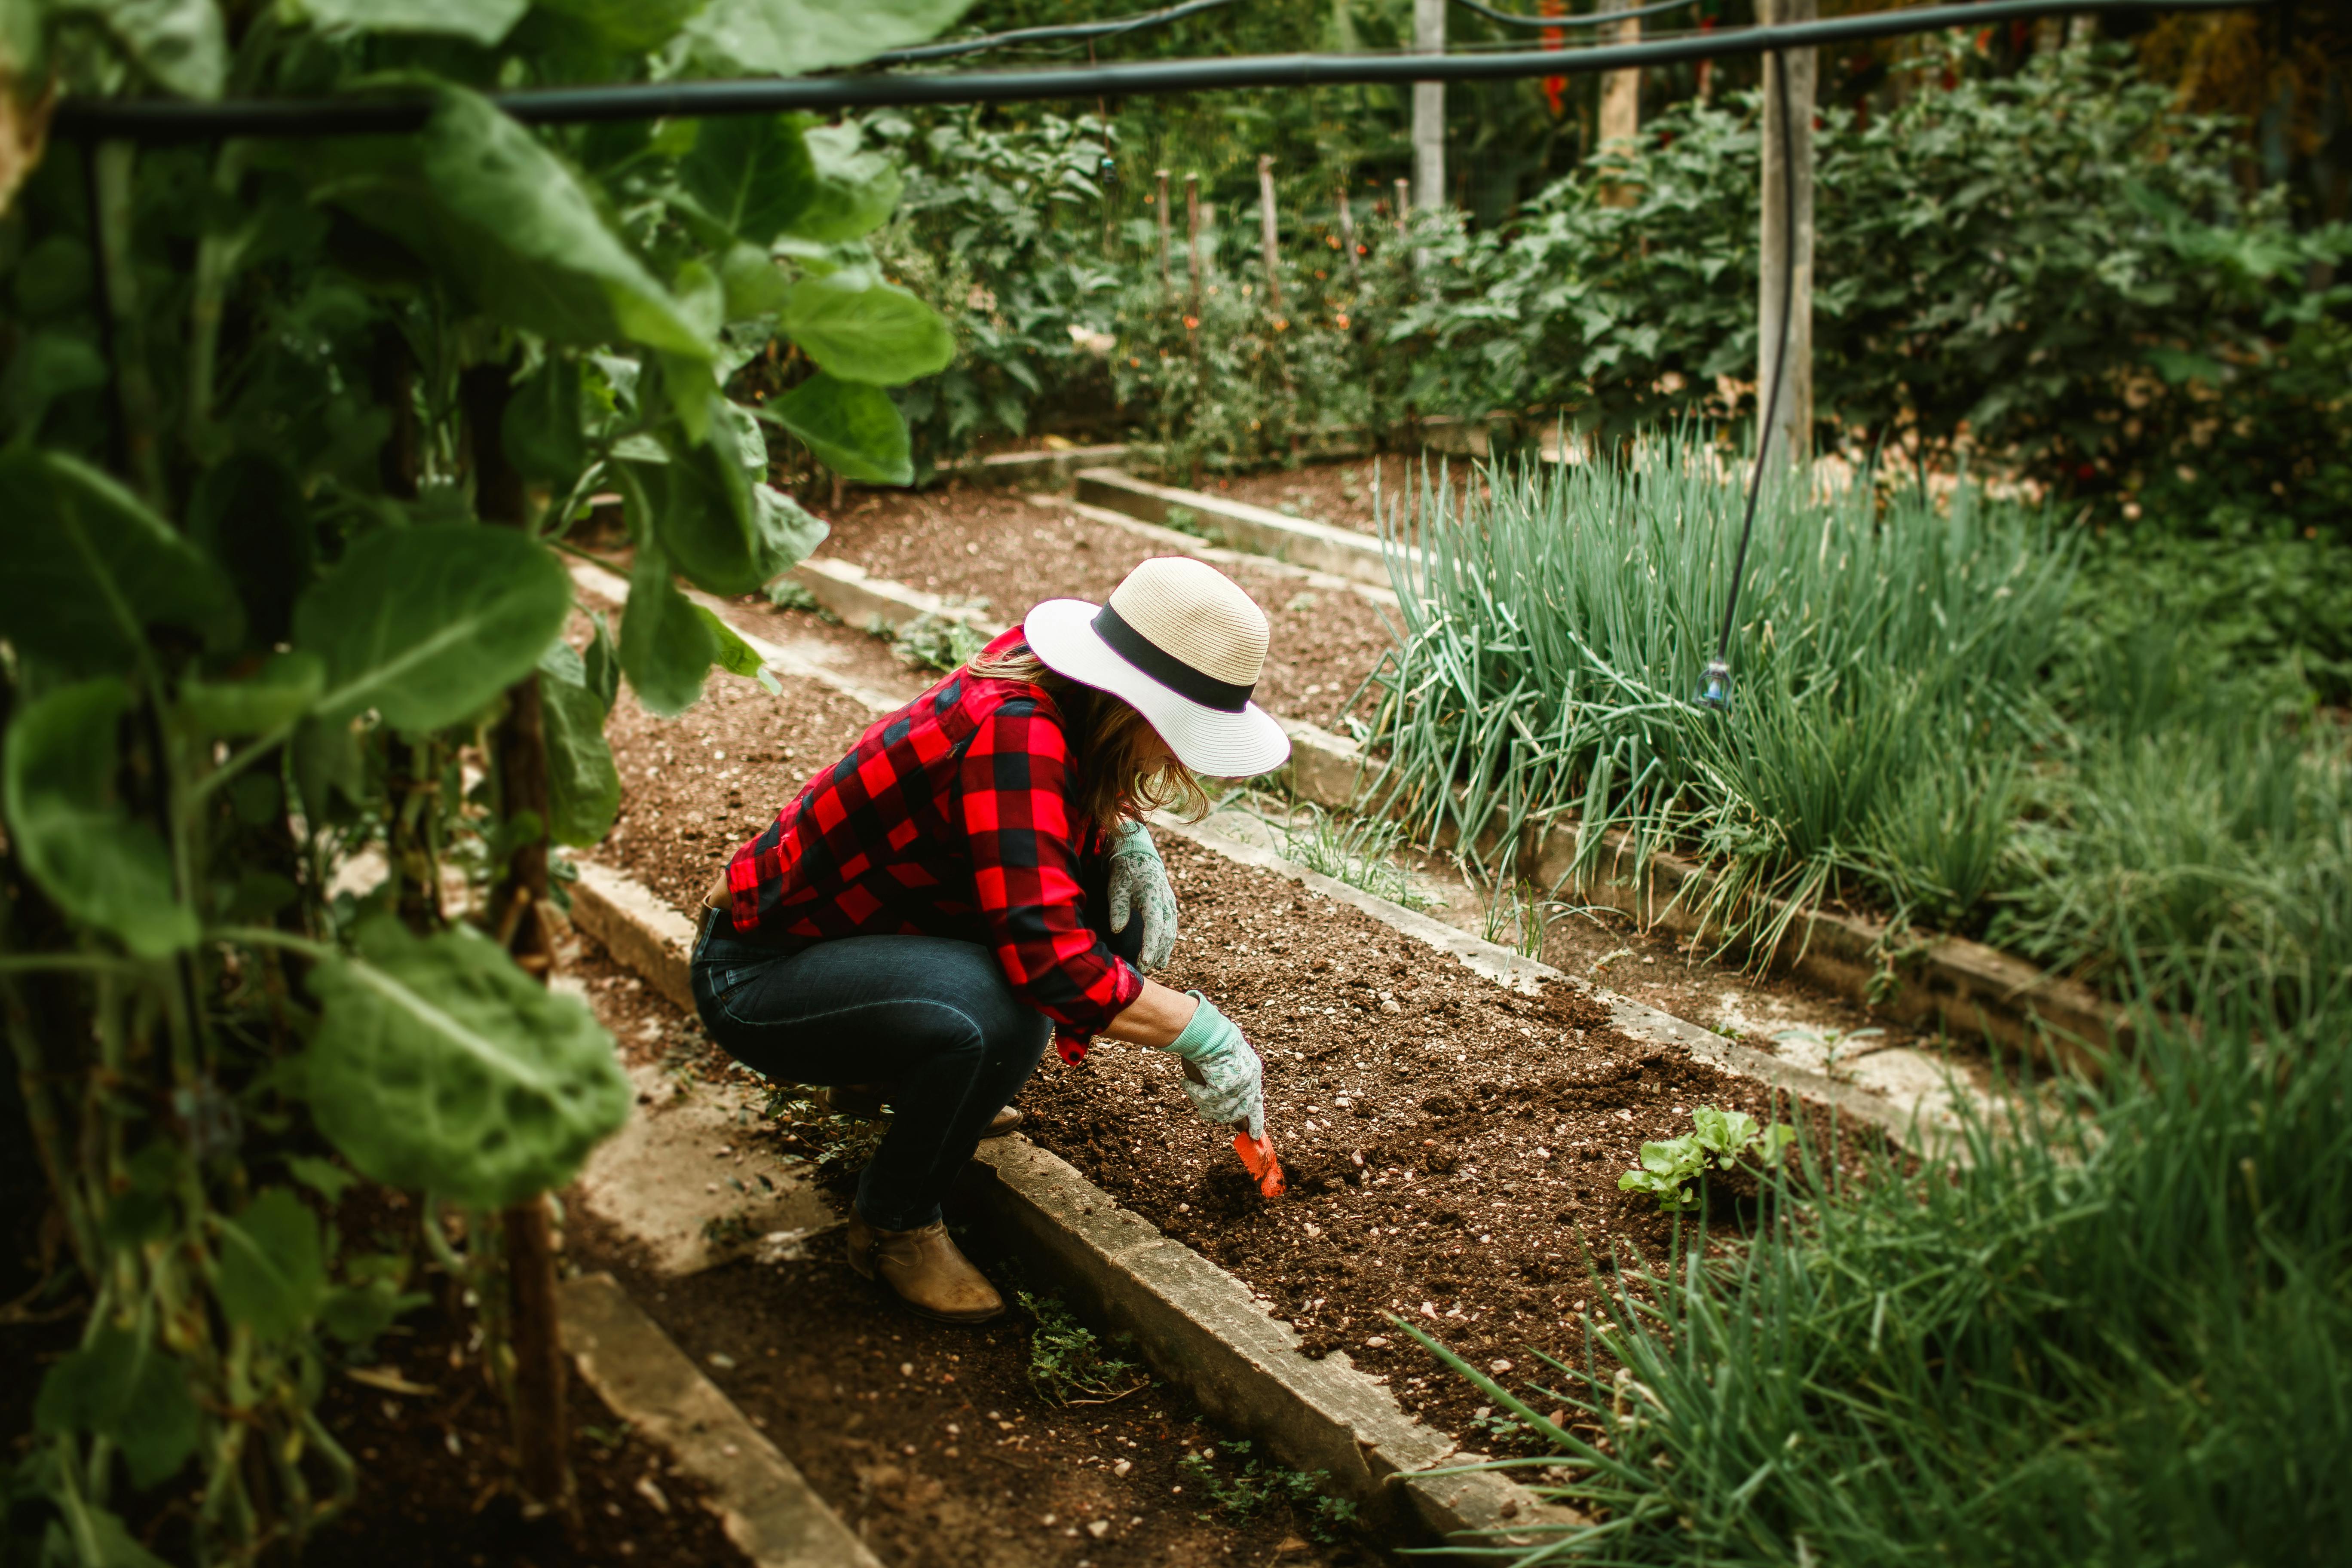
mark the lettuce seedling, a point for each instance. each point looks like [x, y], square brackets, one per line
[1669, 1169]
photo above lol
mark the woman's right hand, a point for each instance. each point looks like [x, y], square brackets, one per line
[1229, 1089]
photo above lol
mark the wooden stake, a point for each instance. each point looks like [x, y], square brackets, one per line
[1620, 102]
[1403, 204]
[542, 1425]
[1267, 242]
[1192, 235]
[1167, 283]
[1348, 232]
[1429, 107]
[1792, 416]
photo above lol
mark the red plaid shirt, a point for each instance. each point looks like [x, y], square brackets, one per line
[951, 817]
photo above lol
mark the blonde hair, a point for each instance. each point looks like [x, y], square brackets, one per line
[1107, 737]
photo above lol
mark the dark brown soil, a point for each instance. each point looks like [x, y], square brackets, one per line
[1342, 493]
[1454, 1148]
[1000, 549]
[931, 1440]
[695, 787]
[434, 1467]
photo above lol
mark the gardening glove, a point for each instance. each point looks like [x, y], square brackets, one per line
[1138, 884]
[1221, 1072]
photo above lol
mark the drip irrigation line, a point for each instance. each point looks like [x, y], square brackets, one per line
[1714, 688]
[1074, 31]
[164, 120]
[1588, 20]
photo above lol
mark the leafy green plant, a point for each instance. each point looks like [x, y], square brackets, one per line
[293, 439]
[1717, 1137]
[1067, 1363]
[1259, 1482]
[937, 642]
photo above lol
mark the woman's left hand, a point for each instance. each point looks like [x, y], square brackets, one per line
[1139, 886]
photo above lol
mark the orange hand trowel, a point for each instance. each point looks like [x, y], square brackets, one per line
[1257, 1153]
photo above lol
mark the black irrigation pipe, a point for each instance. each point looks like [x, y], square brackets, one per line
[160, 119]
[1055, 34]
[1588, 20]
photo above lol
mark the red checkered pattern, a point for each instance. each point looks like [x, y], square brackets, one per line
[951, 817]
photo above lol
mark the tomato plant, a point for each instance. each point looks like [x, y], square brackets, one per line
[295, 434]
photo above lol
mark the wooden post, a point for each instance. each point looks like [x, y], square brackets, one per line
[1429, 107]
[1621, 101]
[1268, 243]
[1348, 232]
[1404, 205]
[1192, 235]
[1792, 408]
[1167, 283]
[517, 910]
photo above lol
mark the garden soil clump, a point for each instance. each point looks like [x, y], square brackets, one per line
[972, 544]
[1453, 1147]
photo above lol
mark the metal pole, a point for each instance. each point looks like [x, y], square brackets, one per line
[1348, 232]
[1403, 204]
[1429, 107]
[1267, 242]
[1621, 101]
[1794, 406]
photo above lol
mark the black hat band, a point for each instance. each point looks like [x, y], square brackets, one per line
[1166, 668]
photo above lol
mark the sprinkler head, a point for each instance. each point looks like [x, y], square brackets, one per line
[1715, 686]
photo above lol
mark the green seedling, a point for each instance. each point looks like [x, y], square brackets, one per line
[1067, 1363]
[1259, 1482]
[1669, 1170]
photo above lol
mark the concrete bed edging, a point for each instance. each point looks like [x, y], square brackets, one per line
[1341, 552]
[763, 1502]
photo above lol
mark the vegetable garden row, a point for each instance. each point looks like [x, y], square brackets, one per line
[297, 437]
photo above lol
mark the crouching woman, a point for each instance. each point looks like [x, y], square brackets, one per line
[974, 876]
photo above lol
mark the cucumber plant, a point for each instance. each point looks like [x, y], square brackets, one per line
[295, 438]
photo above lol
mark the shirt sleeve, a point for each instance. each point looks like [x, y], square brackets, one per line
[1023, 845]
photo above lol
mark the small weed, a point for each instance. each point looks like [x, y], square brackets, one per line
[1066, 1362]
[790, 592]
[1184, 519]
[726, 1231]
[1359, 853]
[838, 1145]
[1259, 1482]
[936, 642]
[1668, 1169]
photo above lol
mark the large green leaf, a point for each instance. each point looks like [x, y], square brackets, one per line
[703, 514]
[790, 37]
[273, 1269]
[502, 217]
[633, 27]
[250, 515]
[854, 428]
[733, 654]
[127, 1388]
[793, 531]
[483, 21]
[862, 329]
[438, 1065]
[90, 568]
[181, 44]
[789, 174]
[427, 625]
[279, 692]
[583, 785]
[666, 648]
[87, 852]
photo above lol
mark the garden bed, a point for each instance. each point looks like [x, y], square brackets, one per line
[933, 1441]
[979, 545]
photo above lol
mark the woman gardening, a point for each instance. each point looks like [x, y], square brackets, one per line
[974, 875]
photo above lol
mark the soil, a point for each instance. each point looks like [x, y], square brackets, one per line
[991, 548]
[931, 1440]
[1341, 493]
[1453, 1147]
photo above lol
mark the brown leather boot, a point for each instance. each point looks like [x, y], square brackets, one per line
[864, 1102]
[925, 1269]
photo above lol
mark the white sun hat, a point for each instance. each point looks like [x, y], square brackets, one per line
[1180, 643]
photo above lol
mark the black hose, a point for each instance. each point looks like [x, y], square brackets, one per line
[1716, 689]
[160, 119]
[1075, 30]
[1589, 18]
